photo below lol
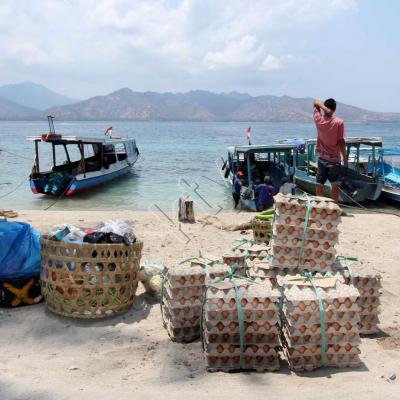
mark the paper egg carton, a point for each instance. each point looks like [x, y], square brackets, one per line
[278, 249]
[182, 334]
[315, 350]
[290, 231]
[249, 314]
[320, 207]
[252, 350]
[314, 317]
[232, 363]
[304, 264]
[271, 338]
[330, 337]
[252, 251]
[297, 242]
[183, 312]
[307, 363]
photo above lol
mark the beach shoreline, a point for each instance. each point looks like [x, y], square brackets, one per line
[132, 355]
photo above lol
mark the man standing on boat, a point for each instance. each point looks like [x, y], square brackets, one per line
[330, 146]
[237, 187]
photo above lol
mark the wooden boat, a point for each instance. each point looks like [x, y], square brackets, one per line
[389, 169]
[255, 162]
[360, 182]
[76, 164]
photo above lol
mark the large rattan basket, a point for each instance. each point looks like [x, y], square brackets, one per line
[261, 230]
[83, 280]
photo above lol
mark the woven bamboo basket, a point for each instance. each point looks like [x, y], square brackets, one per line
[89, 280]
[261, 230]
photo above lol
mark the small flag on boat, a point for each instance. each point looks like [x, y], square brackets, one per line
[108, 132]
[248, 135]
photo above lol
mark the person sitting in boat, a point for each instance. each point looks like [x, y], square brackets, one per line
[265, 192]
[237, 187]
[330, 146]
[287, 187]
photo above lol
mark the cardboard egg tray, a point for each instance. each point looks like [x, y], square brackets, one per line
[301, 332]
[369, 286]
[253, 251]
[232, 363]
[320, 207]
[307, 363]
[287, 250]
[305, 264]
[289, 231]
[272, 338]
[221, 331]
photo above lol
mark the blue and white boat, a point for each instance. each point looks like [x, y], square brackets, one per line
[66, 165]
[389, 169]
[255, 162]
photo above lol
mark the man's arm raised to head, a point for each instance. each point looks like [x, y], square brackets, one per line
[342, 144]
[319, 105]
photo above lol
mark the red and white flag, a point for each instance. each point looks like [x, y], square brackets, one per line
[248, 135]
[108, 132]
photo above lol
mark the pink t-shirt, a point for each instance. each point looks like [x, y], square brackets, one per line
[330, 131]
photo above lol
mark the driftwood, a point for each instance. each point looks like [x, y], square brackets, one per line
[214, 220]
[186, 211]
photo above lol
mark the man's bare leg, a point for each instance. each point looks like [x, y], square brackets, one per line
[319, 189]
[335, 193]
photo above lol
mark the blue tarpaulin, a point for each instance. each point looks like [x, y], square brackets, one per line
[19, 250]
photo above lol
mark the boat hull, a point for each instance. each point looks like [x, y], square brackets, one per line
[82, 183]
[391, 193]
[365, 190]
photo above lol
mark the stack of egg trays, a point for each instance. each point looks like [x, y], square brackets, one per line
[320, 238]
[221, 332]
[252, 250]
[370, 288]
[261, 270]
[301, 332]
[183, 295]
[237, 258]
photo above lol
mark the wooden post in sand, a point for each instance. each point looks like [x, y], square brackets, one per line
[186, 212]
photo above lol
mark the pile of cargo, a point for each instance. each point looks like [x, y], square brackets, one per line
[304, 233]
[240, 326]
[182, 295]
[369, 286]
[319, 322]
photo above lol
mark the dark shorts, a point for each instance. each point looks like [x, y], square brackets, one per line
[328, 171]
[236, 198]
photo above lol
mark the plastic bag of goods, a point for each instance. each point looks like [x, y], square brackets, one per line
[119, 227]
[151, 276]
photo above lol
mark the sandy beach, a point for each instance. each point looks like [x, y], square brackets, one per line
[49, 357]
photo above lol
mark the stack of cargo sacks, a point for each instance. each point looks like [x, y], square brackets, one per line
[182, 297]
[240, 326]
[369, 286]
[313, 339]
[304, 233]
[252, 250]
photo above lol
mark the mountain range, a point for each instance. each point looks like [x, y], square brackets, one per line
[31, 101]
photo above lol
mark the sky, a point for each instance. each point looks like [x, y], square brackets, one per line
[346, 49]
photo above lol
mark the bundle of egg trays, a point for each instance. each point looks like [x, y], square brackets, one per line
[221, 333]
[183, 292]
[250, 250]
[263, 270]
[301, 332]
[369, 285]
[318, 254]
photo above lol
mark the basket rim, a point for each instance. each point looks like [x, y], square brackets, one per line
[44, 239]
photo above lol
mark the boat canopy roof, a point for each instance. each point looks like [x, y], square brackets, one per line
[261, 148]
[60, 139]
[367, 141]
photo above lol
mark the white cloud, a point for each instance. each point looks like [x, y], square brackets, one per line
[271, 63]
[97, 45]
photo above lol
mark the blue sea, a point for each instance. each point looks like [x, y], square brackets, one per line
[176, 159]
